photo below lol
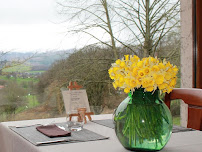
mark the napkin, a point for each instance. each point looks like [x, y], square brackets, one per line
[53, 131]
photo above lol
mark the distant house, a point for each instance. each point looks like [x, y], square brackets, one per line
[1, 86]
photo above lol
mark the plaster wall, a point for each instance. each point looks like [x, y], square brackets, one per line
[186, 53]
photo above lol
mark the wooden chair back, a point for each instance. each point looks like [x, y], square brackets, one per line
[192, 97]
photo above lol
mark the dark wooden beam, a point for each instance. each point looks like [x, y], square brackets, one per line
[199, 43]
[194, 38]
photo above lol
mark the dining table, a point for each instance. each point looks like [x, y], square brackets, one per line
[11, 141]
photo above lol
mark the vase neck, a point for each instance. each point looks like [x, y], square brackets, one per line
[139, 96]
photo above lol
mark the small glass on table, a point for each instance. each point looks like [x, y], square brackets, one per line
[76, 120]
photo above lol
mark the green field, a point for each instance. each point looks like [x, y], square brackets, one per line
[176, 120]
[32, 101]
[19, 80]
[35, 72]
[18, 68]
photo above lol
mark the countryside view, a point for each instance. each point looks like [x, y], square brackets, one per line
[94, 35]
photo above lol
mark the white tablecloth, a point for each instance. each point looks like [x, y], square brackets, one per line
[190, 141]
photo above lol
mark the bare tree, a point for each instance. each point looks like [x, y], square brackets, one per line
[3, 62]
[141, 23]
[8, 63]
[169, 48]
[149, 21]
[13, 97]
[89, 67]
[90, 17]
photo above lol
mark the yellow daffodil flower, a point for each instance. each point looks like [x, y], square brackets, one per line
[140, 64]
[118, 61]
[126, 57]
[141, 73]
[146, 70]
[149, 89]
[130, 73]
[122, 64]
[127, 90]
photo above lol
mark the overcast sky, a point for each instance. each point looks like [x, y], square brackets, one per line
[32, 25]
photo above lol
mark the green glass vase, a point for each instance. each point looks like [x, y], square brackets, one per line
[143, 122]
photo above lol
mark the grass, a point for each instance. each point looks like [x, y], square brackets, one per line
[32, 101]
[176, 120]
[18, 68]
[35, 72]
[19, 80]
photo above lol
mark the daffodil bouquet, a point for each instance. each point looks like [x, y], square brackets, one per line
[150, 73]
[142, 120]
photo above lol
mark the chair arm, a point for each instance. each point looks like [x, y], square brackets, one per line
[191, 96]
